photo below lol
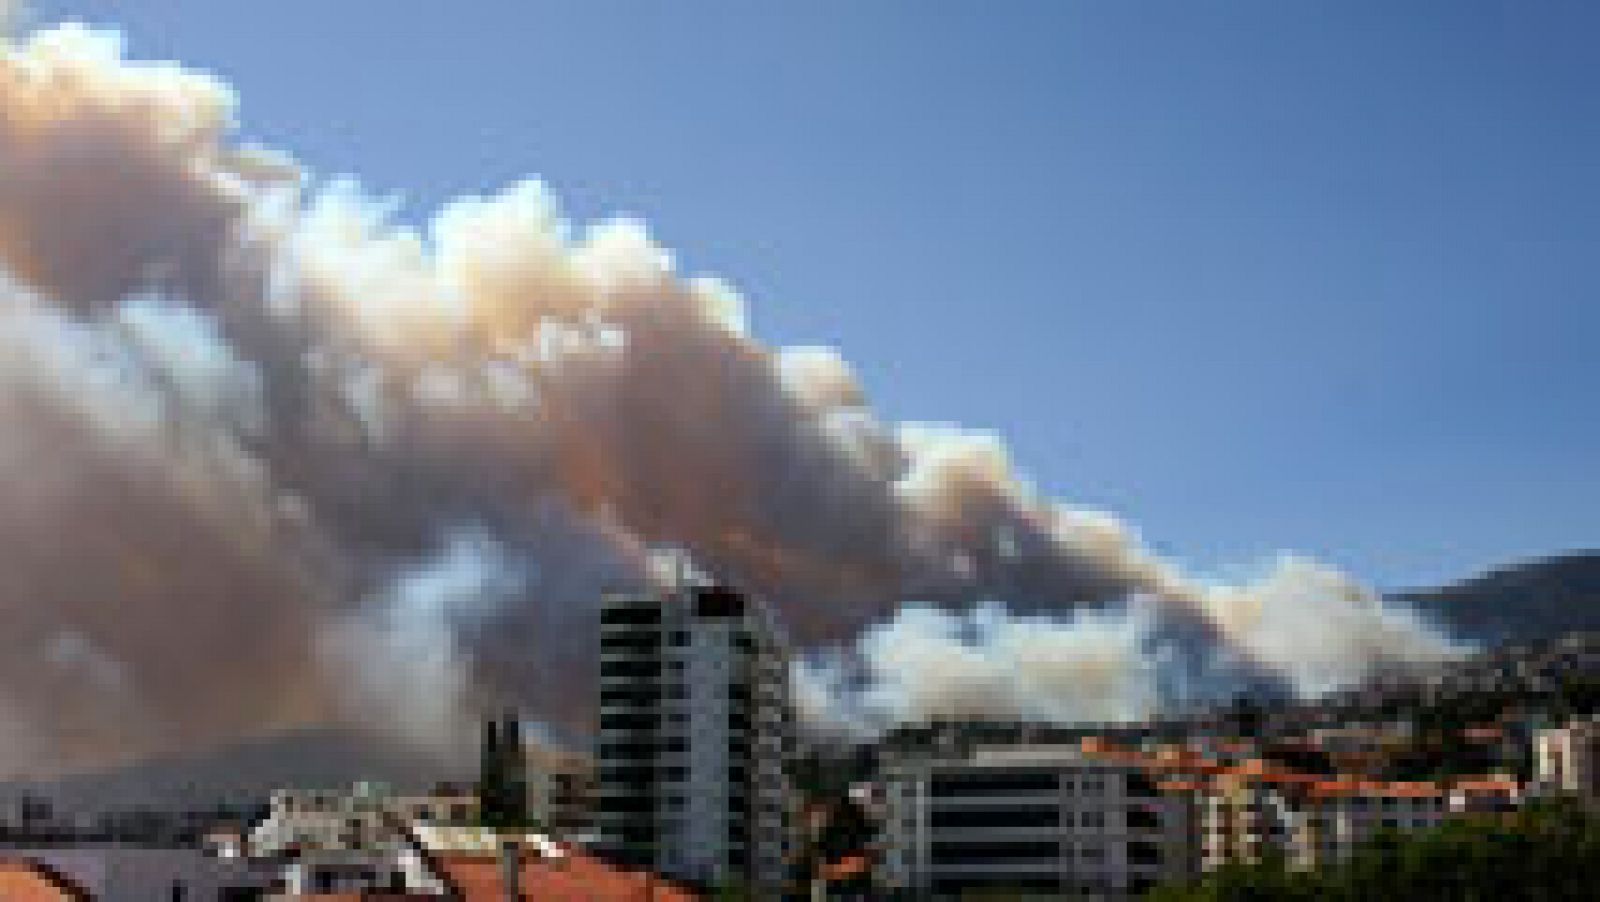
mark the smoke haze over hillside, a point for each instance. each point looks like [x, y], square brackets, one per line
[269, 459]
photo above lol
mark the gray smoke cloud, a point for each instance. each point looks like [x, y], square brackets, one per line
[268, 458]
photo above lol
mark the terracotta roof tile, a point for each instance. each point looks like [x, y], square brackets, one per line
[25, 880]
[573, 878]
[1487, 784]
[847, 867]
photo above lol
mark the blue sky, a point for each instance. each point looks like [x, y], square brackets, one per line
[1256, 275]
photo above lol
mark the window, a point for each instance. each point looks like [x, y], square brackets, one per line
[628, 721]
[636, 669]
[972, 783]
[716, 601]
[1143, 819]
[1141, 786]
[1144, 853]
[627, 773]
[996, 886]
[994, 851]
[626, 804]
[629, 696]
[626, 749]
[636, 614]
[633, 640]
[995, 817]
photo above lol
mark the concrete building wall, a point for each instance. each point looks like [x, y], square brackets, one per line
[694, 739]
[1567, 759]
[560, 786]
[1047, 822]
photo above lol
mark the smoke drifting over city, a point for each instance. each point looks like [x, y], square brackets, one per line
[270, 459]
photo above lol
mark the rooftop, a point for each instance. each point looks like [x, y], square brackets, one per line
[25, 880]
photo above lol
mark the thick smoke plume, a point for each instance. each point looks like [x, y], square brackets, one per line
[269, 459]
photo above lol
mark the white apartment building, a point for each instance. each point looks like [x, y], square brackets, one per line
[695, 732]
[1244, 813]
[560, 782]
[1308, 823]
[1107, 821]
[1048, 821]
[355, 839]
[1567, 760]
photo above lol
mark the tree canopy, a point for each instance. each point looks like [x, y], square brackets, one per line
[1547, 852]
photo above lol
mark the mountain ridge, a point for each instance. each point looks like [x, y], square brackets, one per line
[243, 773]
[1517, 601]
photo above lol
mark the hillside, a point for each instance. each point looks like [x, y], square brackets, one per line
[1529, 600]
[1526, 601]
[244, 772]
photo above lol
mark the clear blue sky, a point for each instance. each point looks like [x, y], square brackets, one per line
[1256, 275]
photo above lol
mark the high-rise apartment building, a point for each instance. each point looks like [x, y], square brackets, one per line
[695, 732]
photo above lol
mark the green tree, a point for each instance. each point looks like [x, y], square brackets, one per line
[1549, 851]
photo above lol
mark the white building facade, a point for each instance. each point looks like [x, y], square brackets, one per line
[1040, 821]
[560, 782]
[695, 734]
[1567, 760]
[353, 840]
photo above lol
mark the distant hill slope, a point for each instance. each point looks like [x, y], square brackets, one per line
[245, 772]
[1525, 601]
[1530, 600]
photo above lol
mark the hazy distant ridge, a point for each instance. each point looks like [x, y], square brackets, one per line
[244, 773]
[1530, 600]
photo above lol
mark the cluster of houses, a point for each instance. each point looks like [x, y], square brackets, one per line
[360, 842]
[689, 791]
[958, 811]
[1029, 813]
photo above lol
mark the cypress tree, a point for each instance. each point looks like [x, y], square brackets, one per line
[491, 775]
[513, 770]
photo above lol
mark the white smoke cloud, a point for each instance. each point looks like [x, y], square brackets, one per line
[244, 413]
[986, 664]
[1307, 626]
[1318, 627]
[402, 657]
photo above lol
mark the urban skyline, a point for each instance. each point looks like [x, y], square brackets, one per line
[842, 451]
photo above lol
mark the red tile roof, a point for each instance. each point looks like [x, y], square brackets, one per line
[25, 880]
[1376, 789]
[1488, 784]
[575, 877]
[847, 867]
